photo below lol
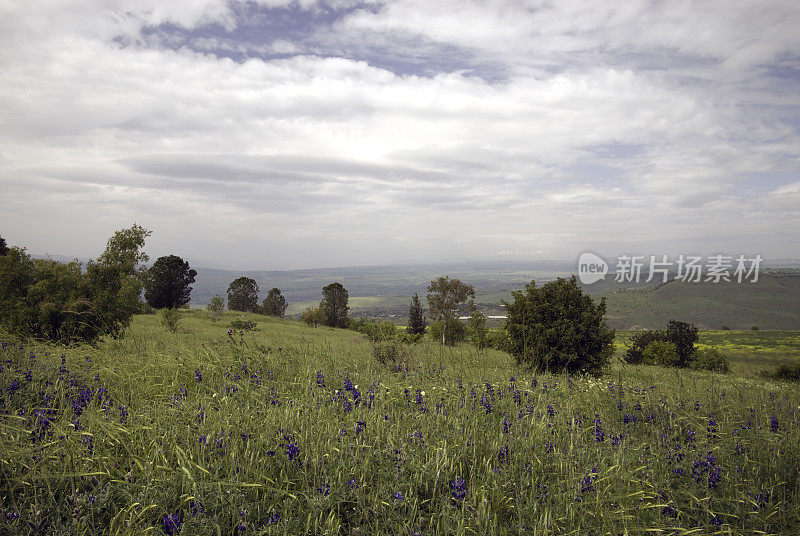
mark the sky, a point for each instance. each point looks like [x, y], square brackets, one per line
[281, 134]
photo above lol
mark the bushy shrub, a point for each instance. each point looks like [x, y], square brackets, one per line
[661, 353]
[634, 355]
[392, 354]
[146, 309]
[170, 319]
[476, 327]
[754, 328]
[681, 334]
[410, 338]
[710, 359]
[456, 332]
[788, 371]
[498, 339]
[726, 328]
[375, 329]
[243, 325]
[558, 328]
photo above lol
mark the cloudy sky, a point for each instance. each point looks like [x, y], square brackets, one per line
[276, 134]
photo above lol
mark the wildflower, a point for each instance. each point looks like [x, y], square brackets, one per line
[774, 426]
[172, 524]
[320, 379]
[198, 375]
[458, 489]
[398, 496]
[599, 434]
[292, 450]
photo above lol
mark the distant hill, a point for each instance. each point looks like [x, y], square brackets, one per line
[773, 302]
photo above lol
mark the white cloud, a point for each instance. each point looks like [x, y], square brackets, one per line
[333, 150]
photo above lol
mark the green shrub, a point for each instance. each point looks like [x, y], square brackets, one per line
[725, 328]
[456, 332]
[710, 359]
[498, 339]
[788, 371]
[558, 328]
[392, 354]
[170, 318]
[375, 329]
[634, 355]
[409, 338]
[243, 325]
[754, 328]
[681, 334]
[476, 327]
[662, 353]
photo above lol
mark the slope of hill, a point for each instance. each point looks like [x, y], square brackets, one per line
[771, 303]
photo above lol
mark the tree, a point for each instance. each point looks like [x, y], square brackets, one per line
[3, 246]
[444, 297]
[334, 303]
[62, 302]
[216, 306]
[274, 304]
[243, 295]
[416, 319]
[314, 316]
[167, 282]
[557, 328]
[683, 335]
[478, 334]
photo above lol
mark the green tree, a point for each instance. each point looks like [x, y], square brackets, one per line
[416, 318]
[3, 246]
[274, 304]
[62, 302]
[243, 295]
[334, 303]
[216, 307]
[167, 283]
[684, 336]
[662, 353]
[445, 295]
[476, 326]
[557, 328]
[314, 316]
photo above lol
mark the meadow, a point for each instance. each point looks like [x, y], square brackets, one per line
[297, 430]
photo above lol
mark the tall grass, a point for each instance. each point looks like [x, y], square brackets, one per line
[294, 430]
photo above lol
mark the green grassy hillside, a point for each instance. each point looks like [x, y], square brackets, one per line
[296, 430]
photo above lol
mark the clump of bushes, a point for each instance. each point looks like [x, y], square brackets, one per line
[681, 335]
[710, 359]
[660, 352]
[392, 354]
[243, 325]
[456, 332]
[170, 319]
[788, 371]
[375, 329]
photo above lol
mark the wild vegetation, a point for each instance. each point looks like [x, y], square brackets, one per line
[292, 430]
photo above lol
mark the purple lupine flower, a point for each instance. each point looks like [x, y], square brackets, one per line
[172, 524]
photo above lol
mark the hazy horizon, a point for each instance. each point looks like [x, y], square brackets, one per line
[292, 134]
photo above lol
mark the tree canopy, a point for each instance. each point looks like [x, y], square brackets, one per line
[557, 328]
[416, 318]
[445, 295]
[243, 295]
[334, 303]
[274, 304]
[62, 302]
[167, 282]
[3, 246]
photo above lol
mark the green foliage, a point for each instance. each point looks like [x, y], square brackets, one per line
[334, 303]
[170, 319]
[476, 328]
[375, 329]
[456, 331]
[710, 359]
[314, 316]
[416, 318]
[274, 304]
[243, 295]
[216, 307]
[499, 340]
[392, 354]
[788, 371]
[662, 353]
[557, 328]
[754, 328]
[726, 328]
[60, 302]
[681, 335]
[3, 246]
[244, 325]
[684, 336]
[445, 295]
[166, 283]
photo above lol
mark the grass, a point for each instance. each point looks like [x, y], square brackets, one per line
[295, 430]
